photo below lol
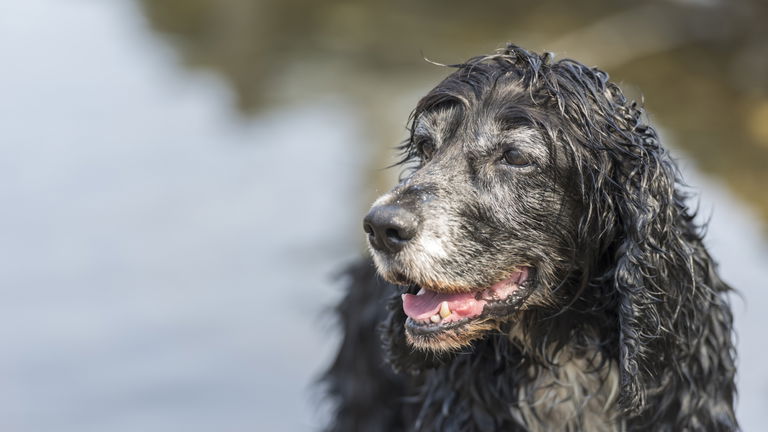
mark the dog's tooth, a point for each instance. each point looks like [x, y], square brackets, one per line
[435, 318]
[444, 309]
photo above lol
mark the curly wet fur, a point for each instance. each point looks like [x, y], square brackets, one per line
[629, 328]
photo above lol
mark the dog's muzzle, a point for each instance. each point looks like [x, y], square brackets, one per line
[390, 227]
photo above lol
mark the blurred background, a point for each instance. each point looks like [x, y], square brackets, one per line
[181, 179]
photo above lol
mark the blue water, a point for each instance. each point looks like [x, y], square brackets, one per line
[165, 263]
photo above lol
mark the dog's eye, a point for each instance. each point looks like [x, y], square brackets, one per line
[515, 158]
[426, 149]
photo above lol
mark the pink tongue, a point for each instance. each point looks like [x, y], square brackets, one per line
[421, 307]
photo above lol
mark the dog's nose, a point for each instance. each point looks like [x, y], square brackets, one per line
[390, 227]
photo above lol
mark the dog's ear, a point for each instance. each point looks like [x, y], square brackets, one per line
[627, 189]
[648, 269]
[674, 328]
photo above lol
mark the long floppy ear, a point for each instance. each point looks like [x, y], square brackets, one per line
[651, 270]
[675, 323]
[674, 339]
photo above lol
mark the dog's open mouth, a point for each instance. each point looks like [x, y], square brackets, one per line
[431, 312]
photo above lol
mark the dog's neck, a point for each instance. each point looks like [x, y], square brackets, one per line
[567, 390]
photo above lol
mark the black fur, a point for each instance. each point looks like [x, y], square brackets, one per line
[623, 280]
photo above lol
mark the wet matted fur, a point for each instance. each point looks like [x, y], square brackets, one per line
[516, 161]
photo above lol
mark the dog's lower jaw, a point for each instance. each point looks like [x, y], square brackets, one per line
[450, 340]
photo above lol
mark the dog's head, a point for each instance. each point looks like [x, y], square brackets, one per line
[485, 221]
[525, 177]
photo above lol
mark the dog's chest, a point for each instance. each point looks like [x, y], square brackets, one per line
[572, 397]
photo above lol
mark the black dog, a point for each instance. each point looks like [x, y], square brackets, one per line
[544, 271]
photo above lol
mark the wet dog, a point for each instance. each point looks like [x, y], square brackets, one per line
[541, 269]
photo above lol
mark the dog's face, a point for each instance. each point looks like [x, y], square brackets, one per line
[483, 226]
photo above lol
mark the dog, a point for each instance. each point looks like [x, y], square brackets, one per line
[536, 269]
